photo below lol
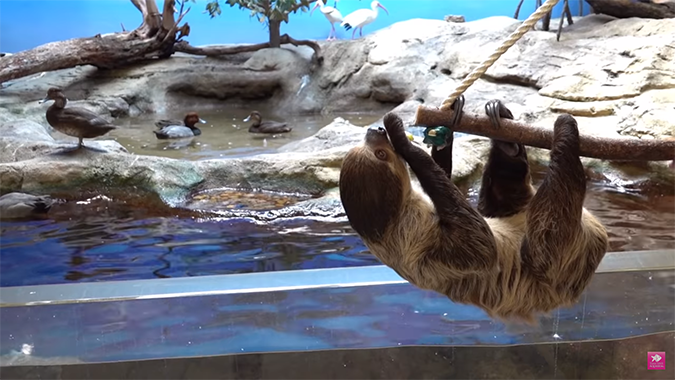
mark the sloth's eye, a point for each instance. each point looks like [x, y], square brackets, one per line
[381, 154]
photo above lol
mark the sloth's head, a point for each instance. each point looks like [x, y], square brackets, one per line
[374, 181]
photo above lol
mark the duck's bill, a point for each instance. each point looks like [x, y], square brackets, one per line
[202, 121]
[43, 100]
[247, 119]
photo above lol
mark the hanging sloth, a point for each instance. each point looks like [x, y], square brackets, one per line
[522, 252]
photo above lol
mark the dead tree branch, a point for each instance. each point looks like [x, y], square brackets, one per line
[628, 149]
[213, 51]
[153, 39]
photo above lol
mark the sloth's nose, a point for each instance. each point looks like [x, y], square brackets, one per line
[381, 130]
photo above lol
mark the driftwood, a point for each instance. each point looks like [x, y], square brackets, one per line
[213, 51]
[624, 149]
[154, 38]
[158, 37]
[632, 8]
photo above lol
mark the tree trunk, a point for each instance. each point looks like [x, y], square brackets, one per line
[275, 33]
[623, 149]
[630, 8]
[151, 40]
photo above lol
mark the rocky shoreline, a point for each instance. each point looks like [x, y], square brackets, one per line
[617, 77]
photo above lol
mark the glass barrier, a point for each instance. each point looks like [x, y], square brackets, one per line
[356, 317]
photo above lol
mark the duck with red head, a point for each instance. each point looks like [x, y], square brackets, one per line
[519, 254]
[74, 121]
[176, 129]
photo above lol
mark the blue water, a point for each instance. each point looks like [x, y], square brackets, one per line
[104, 247]
[25, 24]
[103, 240]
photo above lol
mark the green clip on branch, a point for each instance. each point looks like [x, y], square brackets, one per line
[436, 136]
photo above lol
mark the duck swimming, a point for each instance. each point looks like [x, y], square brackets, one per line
[175, 129]
[22, 205]
[74, 121]
[269, 126]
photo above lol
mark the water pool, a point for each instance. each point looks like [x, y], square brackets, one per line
[104, 240]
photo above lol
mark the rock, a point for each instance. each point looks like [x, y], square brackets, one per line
[454, 18]
[327, 208]
[338, 134]
[24, 139]
[308, 166]
[616, 76]
[600, 66]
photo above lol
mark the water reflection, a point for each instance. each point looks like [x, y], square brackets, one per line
[615, 305]
[105, 240]
[224, 134]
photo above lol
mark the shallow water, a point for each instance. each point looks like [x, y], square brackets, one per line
[103, 240]
[223, 135]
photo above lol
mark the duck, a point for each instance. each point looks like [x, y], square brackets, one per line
[269, 126]
[74, 121]
[175, 129]
[22, 205]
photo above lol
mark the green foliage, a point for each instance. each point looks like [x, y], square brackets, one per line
[263, 10]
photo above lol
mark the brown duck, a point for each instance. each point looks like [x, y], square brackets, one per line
[74, 121]
[269, 126]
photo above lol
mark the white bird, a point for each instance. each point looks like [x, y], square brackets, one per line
[332, 14]
[362, 17]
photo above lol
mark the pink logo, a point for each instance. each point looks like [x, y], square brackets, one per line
[656, 360]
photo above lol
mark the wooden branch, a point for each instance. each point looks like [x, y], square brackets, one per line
[153, 18]
[630, 8]
[171, 34]
[213, 51]
[628, 149]
[167, 14]
[298, 5]
[107, 51]
[140, 5]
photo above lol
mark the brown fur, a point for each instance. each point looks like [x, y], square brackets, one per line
[538, 253]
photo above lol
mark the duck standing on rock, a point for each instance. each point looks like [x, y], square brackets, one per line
[175, 129]
[74, 121]
[22, 205]
[269, 126]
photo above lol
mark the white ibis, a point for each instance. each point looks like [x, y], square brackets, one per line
[362, 17]
[331, 13]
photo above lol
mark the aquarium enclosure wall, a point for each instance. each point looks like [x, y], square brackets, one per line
[340, 189]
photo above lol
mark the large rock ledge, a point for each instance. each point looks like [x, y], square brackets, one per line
[309, 166]
[617, 77]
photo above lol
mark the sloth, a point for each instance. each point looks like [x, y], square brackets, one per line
[520, 253]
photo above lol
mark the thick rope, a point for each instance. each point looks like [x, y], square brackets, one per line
[513, 38]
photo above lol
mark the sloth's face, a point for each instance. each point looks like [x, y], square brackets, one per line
[381, 152]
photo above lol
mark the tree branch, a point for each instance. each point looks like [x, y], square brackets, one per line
[140, 5]
[167, 14]
[590, 146]
[297, 6]
[628, 8]
[108, 51]
[214, 51]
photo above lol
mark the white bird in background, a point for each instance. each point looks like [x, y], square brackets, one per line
[332, 14]
[362, 17]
